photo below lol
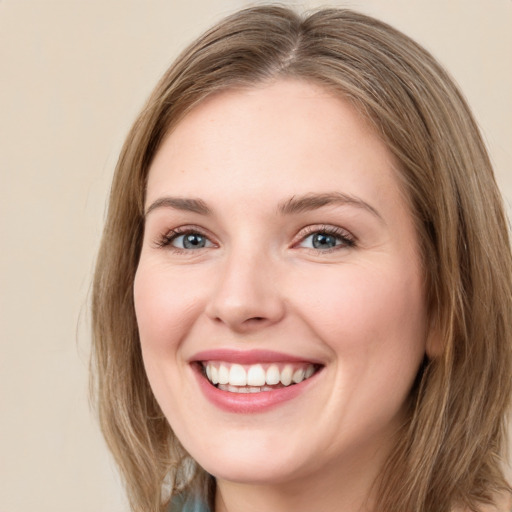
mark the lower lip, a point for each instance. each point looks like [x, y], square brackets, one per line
[249, 403]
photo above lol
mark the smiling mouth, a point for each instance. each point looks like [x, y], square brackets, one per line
[256, 378]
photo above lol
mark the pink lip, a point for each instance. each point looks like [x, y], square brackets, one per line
[248, 357]
[247, 403]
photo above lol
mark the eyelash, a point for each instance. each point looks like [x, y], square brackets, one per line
[347, 240]
[168, 238]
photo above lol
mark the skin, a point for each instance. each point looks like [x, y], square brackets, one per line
[258, 283]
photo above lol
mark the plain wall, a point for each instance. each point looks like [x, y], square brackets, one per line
[73, 76]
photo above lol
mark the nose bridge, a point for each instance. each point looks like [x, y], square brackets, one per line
[246, 291]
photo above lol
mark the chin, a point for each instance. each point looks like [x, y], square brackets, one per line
[258, 473]
[251, 463]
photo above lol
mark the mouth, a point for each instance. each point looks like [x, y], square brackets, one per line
[256, 378]
[252, 381]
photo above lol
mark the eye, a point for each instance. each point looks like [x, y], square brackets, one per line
[326, 239]
[185, 240]
[191, 241]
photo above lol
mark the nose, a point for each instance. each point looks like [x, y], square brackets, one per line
[246, 296]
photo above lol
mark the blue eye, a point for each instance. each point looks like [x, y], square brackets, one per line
[190, 241]
[184, 239]
[327, 239]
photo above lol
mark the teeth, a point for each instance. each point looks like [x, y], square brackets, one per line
[214, 373]
[298, 375]
[223, 374]
[254, 378]
[244, 389]
[286, 375]
[237, 376]
[273, 375]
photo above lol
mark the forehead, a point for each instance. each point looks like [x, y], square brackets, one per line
[289, 135]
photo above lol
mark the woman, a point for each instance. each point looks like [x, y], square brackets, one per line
[303, 296]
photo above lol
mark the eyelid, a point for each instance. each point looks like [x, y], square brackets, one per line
[347, 238]
[164, 240]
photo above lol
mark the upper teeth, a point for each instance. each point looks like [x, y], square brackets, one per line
[258, 374]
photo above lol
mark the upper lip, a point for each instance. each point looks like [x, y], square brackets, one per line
[249, 356]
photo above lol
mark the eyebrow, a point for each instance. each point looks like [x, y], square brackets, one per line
[296, 204]
[180, 203]
[308, 202]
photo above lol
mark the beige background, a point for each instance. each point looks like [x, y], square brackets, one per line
[73, 76]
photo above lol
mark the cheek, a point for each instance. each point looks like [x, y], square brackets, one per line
[164, 306]
[367, 312]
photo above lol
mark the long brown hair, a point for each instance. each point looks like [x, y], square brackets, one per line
[450, 452]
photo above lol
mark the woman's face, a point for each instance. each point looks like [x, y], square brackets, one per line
[279, 251]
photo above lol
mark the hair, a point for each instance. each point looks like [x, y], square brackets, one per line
[451, 450]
